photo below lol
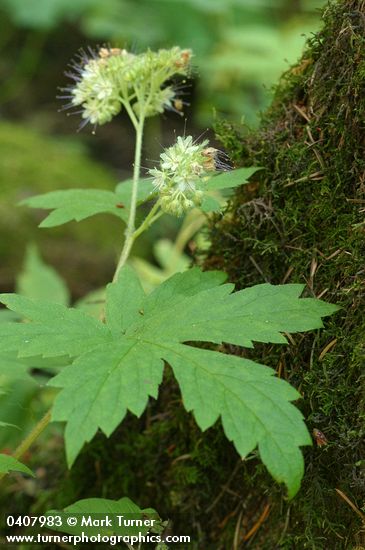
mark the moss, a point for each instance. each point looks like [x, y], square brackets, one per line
[302, 220]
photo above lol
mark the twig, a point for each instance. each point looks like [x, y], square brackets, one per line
[326, 349]
[351, 504]
[286, 525]
[253, 261]
[258, 523]
[237, 531]
[301, 112]
[224, 488]
[314, 176]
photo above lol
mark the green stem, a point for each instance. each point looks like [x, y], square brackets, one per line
[192, 223]
[152, 216]
[133, 206]
[131, 114]
[29, 440]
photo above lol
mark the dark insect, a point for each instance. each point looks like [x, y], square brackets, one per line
[120, 205]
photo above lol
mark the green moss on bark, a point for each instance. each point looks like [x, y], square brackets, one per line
[302, 220]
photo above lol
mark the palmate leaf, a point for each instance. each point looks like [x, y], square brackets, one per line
[101, 386]
[79, 204]
[253, 404]
[123, 365]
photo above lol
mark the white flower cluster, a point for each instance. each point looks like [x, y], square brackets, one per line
[112, 76]
[180, 179]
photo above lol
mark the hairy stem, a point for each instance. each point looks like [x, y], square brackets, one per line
[34, 434]
[133, 206]
[130, 112]
[152, 216]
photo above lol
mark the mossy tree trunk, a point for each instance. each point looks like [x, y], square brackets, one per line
[302, 219]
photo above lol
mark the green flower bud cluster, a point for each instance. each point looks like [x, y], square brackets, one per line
[113, 77]
[182, 174]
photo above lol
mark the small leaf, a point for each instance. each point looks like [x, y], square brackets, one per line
[145, 190]
[10, 464]
[40, 281]
[79, 204]
[76, 204]
[231, 178]
[169, 257]
[96, 509]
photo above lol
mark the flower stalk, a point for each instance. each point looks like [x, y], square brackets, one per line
[129, 238]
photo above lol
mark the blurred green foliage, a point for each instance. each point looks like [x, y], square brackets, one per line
[240, 45]
[23, 396]
[33, 163]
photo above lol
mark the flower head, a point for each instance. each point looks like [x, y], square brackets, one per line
[111, 77]
[182, 174]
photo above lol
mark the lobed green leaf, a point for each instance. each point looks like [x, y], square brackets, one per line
[119, 364]
[79, 204]
[254, 407]
[213, 201]
[99, 508]
[231, 178]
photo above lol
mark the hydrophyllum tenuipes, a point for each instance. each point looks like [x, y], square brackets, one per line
[114, 363]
